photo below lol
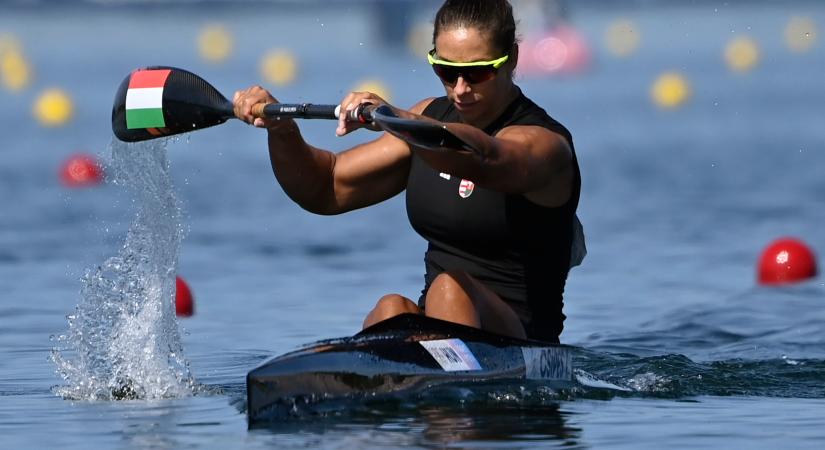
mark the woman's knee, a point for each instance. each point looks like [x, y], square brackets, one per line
[389, 306]
[451, 286]
[395, 302]
[450, 298]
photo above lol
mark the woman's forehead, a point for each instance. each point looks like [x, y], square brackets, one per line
[463, 44]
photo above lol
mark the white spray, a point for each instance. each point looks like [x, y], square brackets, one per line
[123, 339]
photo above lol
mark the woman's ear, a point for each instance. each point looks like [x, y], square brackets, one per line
[514, 55]
[513, 60]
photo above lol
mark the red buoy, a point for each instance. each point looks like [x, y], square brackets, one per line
[786, 261]
[559, 51]
[184, 302]
[81, 170]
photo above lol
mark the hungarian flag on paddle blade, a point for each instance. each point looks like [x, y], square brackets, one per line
[144, 99]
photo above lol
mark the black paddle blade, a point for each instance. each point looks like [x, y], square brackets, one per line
[160, 101]
[424, 134]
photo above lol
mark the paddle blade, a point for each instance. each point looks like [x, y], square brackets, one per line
[160, 101]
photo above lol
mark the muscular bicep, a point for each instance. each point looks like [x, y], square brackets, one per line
[370, 173]
[538, 163]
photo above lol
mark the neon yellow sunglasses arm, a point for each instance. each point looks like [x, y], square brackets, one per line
[496, 63]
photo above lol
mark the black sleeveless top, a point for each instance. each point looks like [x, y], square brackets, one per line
[518, 249]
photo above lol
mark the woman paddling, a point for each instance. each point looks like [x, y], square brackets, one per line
[500, 221]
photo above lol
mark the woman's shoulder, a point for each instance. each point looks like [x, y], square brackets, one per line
[422, 105]
[525, 111]
[436, 107]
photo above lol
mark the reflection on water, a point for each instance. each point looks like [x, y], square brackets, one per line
[440, 423]
[536, 424]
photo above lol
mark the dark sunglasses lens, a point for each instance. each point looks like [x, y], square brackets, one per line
[478, 74]
[472, 75]
[447, 73]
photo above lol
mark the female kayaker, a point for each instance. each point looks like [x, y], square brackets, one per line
[500, 221]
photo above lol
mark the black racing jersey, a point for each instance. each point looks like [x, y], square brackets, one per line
[518, 249]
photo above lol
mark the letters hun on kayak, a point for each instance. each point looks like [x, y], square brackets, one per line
[144, 99]
[452, 354]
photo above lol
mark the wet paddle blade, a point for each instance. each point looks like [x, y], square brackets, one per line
[160, 101]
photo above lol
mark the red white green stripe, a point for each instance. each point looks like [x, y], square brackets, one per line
[144, 99]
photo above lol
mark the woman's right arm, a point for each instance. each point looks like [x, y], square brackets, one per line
[321, 181]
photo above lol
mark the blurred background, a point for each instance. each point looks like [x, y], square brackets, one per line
[698, 126]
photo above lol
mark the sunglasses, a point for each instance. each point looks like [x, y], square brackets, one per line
[472, 72]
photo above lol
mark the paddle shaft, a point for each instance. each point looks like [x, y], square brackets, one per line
[310, 111]
[422, 134]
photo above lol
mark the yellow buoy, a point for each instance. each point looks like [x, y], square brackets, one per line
[420, 39]
[800, 34]
[742, 54]
[670, 90]
[279, 67]
[15, 71]
[622, 38]
[53, 108]
[215, 43]
[376, 87]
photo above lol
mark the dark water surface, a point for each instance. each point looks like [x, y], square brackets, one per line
[676, 346]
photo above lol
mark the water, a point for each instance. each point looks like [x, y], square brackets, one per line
[677, 347]
[123, 340]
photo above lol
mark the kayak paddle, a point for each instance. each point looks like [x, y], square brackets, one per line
[161, 101]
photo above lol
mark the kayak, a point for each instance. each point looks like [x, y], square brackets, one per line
[405, 354]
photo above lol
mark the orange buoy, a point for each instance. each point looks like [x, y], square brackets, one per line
[81, 170]
[184, 302]
[785, 261]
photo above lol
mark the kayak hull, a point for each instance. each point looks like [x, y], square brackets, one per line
[406, 353]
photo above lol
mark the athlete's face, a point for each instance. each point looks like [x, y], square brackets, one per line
[478, 103]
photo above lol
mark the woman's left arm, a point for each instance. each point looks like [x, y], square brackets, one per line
[522, 159]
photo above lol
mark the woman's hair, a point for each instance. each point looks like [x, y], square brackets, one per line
[494, 17]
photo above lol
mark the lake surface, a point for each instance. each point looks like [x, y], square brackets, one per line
[676, 344]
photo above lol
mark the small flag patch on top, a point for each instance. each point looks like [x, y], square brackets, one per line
[144, 99]
[465, 188]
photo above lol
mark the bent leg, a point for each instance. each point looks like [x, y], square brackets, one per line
[457, 297]
[388, 306]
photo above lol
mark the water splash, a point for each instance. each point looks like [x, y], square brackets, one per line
[123, 340]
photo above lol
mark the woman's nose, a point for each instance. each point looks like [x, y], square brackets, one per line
[461, 86]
